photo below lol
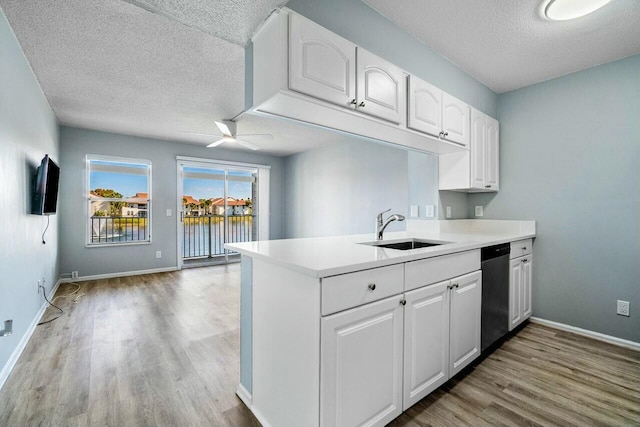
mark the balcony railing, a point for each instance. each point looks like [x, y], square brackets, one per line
[204, 236]
[109, 229]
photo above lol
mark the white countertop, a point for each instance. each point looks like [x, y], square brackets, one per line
[329, 256]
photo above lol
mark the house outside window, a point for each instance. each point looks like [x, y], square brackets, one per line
[119, 201]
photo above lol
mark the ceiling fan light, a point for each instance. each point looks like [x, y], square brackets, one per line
[228, 139]
[563, 10]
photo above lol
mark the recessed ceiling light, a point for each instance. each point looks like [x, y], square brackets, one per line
[562, 10]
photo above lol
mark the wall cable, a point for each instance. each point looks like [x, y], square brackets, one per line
[45, 229]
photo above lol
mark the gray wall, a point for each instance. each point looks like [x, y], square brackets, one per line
[357, 22]
[339, 189]
[570, 159]
[76, 143]
[28, 131]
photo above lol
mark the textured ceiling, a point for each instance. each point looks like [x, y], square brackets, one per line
[113, 66]
[507, 44]
[231, 20]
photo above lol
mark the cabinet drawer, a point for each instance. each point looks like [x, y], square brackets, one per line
[437, 269]
[521, 247]
[353, 289]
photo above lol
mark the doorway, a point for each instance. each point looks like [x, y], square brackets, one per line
[218, 203]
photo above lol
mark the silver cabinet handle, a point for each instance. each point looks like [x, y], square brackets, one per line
[487, 186]
[354, 102]
[446, 134]
[524, 248]
[361, 104]
[403, 302]
[372, 287]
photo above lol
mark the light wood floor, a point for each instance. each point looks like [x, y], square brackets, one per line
[163, 350]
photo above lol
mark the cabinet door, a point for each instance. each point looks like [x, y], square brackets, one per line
[425, 107]
[464, 321]
[380, 87]
[493, 154]
[321, 63]
[527, 276]
[515, 291]
[478, 149]
[455, 119]
[426, 341]
[361, 369]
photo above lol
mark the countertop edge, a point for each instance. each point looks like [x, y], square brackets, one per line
[409, 257]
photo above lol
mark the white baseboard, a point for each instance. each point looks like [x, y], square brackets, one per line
[244, 395]
[587, 333]
[13, 359]
[120, 274]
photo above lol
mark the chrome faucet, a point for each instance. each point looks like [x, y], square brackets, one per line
[381, 225]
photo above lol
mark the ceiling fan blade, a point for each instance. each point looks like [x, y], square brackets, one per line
[257, 136]
[227, 127]
[215, 144]
[247, 144]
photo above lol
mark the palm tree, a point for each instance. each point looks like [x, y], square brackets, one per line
[205, 203]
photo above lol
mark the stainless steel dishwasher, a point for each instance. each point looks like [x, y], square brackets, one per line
[495, 293]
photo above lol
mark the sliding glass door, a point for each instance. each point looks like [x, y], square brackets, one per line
[218, 204]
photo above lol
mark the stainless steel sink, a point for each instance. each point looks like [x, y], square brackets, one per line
[404, 245]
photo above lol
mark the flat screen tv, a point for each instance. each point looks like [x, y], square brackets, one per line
[45, 194]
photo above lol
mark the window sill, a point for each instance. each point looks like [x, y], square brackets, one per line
[110, 245]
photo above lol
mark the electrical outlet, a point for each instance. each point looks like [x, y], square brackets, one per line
[429, 211]
[414, 211]
[168, 212]
[448, 210]
[623, 308]
[479, 211]
[74, 275]
[158, 254]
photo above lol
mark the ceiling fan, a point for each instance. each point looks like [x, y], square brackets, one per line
[229, 129]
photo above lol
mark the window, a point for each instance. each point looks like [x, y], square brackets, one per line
[119, 201]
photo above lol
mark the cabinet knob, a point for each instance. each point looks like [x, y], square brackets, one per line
[524, 248]
[403, 302]
[446, 134]
[525, 260]
[487, 186]
[372, 287]
[361, 104]
[353, 101]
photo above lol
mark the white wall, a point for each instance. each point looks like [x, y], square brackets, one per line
[28, 131]
[76, 143]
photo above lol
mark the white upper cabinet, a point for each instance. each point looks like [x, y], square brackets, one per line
[478, 145]
[455, 119]
[425, 107]
[380, 87]
[476, 170]
[321, 63]
[492, 154]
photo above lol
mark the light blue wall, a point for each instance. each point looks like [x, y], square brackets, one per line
[339, 189]
[357, 22]
[28, 131]
[76, 143]
[570, 159]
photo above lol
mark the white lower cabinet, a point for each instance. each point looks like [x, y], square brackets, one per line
[426, 341]
[441, 333]
[520, 279]
[464, 331]
[361, 365]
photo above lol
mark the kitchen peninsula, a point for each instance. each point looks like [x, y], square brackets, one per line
[339, 331]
